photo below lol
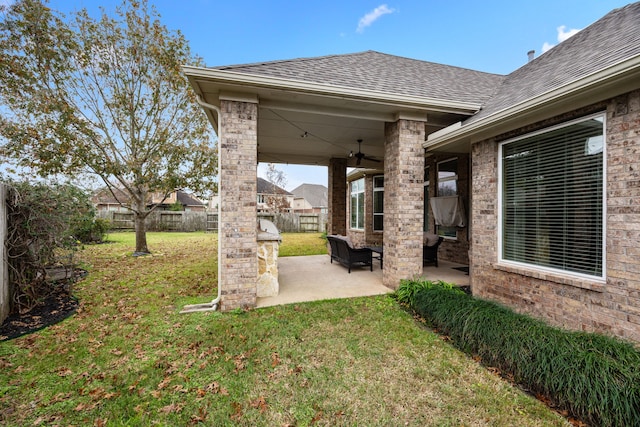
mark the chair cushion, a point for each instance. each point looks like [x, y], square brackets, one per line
[346, 239]
[429, 239]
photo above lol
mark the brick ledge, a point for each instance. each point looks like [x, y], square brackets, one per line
[590, 285]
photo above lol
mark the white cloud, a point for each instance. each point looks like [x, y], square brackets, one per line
[546, 46]
[563, 34]
[373, 16]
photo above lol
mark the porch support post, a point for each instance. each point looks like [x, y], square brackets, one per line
[238, 260]
[403, 201]
[337, 197]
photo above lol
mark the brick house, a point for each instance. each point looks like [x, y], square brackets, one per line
[544, 161]
[271, 198]
[310, 198]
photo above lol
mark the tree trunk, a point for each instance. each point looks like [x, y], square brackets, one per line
[141, 229]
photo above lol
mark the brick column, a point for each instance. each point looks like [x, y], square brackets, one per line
[403, 201]
[337, 196]
[238, 261]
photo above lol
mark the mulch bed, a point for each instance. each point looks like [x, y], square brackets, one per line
[56, 307]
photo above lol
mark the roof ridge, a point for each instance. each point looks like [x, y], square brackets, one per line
[344, 55]
[284, 61]
[435, 63]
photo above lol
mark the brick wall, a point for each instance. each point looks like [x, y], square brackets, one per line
[612, 307]
[403, 207]
[337, 197]
[238, 261]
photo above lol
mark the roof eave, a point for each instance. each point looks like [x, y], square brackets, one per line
[604, 84]
[227, 77]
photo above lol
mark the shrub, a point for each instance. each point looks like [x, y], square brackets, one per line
[408, 289]
[91, 230]
[40, 222]
[594, 377]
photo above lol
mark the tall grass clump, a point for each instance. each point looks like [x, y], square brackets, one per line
[595, 377]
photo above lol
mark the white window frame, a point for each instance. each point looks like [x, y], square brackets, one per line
[501, 259]
[425, 226]
[373, 202]
[356, 193]
[440, 230]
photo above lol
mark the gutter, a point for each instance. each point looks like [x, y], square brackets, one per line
[213, 305]
[596, 81]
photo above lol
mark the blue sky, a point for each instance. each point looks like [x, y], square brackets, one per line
[490, 36]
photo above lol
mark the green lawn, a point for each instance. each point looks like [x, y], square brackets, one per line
[129, 358]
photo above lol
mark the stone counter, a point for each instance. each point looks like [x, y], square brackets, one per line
[268, 248]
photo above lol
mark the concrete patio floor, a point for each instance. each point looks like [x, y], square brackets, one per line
[312, 278]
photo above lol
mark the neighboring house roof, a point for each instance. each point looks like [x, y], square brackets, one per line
[382, 73]
[265, 187]
[188, 200]
[317, 195]
[104, 196]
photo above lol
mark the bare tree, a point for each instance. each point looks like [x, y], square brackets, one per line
[277, 200]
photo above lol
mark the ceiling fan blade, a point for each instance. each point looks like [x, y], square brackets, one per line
[373, 159]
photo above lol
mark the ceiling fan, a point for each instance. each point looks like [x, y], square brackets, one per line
[360, 155]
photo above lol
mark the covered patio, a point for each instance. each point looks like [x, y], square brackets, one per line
[360, 110]
[314, 278]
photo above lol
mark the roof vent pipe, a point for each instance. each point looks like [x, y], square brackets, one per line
[531, 54]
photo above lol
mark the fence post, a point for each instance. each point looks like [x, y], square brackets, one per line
[5, 295]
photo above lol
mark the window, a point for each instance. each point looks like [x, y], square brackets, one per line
[447, 186]
[357, 204]
[552, 198]
[378, 203]
[426, 199]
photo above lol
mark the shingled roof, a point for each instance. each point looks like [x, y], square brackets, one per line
[383, 73]
[266, 187]
[317, 195]
[609, 41]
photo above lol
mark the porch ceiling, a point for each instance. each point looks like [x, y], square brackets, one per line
[310, 124]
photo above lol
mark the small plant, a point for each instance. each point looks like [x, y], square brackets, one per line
[408, 289]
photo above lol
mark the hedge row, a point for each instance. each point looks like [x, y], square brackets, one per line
[595, 377]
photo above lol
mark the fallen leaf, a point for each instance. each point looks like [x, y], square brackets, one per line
[63, 372]
[275, 359]
[180, 388]
[164, 383]
[237, 411]
[169, 408]
[200, 417]
[260, 403]
[317, 417]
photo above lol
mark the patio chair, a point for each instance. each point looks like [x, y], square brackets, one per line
[430, 248]
[343, 251]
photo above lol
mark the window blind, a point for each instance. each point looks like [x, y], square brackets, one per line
[552, 200]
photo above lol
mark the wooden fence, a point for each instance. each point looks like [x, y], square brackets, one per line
[206, 221]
